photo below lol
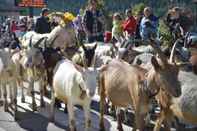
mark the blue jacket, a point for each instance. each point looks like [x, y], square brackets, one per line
[148, 26]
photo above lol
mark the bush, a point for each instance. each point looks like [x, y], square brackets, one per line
[138, 8]
[165, 33]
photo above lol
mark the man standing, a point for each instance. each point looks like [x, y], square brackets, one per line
[93, 22]
[42, 24]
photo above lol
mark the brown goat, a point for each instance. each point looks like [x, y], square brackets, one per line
[183, 106]
[193, 61]
[126, 85]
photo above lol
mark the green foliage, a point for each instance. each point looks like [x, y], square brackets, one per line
[164, 32]
[138, 8]
[101, 4]
[24, 11]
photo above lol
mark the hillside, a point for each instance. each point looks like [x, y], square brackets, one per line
[159, 6]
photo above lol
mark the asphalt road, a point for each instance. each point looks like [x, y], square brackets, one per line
[38, 121]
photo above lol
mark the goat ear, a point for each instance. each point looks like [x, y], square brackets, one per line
[84, 48]
[155, 63]
[79, 68]
[95, 46]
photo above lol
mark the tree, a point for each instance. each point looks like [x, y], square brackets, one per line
[138, 8]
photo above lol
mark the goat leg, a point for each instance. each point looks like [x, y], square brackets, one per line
[139, 119]
[10, 93]
[119, 119]
[5, 98]
[34, 106]
[102, 102]
[0, 92]
[15, 99]
[86, 108]
[72, 125]
[22, 91]
[42, 104]
[52, 114]
[159, 121]
[167, 124]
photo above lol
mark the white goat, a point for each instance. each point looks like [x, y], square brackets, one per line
[74, 85]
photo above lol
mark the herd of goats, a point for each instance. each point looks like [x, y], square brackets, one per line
[129, 76]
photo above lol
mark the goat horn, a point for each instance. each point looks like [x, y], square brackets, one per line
[30, 41]
[173, 51]
[183, 63]
[39, 41]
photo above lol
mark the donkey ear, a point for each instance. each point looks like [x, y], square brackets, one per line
[155, 63]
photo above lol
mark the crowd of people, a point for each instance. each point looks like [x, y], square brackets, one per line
[90, 25]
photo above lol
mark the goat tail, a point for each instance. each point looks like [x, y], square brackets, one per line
[102, 99]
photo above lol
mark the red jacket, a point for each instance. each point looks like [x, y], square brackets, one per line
[13, 27]
[130, 25]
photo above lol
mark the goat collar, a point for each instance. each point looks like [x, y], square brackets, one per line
[145, 88]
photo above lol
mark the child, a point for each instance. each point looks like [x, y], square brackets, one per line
[129, 25]
[117, 30]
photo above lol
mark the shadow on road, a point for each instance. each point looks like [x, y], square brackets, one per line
[38, 121]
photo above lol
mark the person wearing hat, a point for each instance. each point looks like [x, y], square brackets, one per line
[42, 23]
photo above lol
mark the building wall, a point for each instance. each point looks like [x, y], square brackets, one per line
[7, 8]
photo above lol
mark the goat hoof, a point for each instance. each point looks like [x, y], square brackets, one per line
[66, 110]
[72, 129]
[15, 117]
[102, 129]
[52, 119]
[23, 100]
[1, 103]
[119, 129]
[42, 104]
[58, 103]
[34, 107]
[6, 107]
[134, 129]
